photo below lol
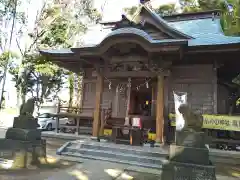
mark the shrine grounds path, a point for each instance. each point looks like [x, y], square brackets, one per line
[98, 170]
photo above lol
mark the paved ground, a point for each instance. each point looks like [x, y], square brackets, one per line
[95, 170]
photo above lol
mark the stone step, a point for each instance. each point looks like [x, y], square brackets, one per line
[126, 149]
[135, 156]
[115, 160]
[118, 155]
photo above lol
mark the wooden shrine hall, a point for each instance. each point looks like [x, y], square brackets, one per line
[136, 67]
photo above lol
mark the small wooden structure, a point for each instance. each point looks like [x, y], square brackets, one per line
[134, 70]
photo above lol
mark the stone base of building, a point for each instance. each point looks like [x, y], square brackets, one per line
[185, 171]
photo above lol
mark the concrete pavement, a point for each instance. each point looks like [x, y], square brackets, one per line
[100, 170]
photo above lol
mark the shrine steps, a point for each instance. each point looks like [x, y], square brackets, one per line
[136, 156]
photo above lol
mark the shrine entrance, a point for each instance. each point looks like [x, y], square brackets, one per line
[141, 102]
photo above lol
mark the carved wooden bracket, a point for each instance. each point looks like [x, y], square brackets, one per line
[159, 66]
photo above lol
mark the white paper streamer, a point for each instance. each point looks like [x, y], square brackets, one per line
[179, 99]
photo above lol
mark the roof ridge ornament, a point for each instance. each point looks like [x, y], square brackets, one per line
[144, 1]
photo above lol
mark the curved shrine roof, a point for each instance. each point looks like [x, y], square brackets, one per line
[203, 32]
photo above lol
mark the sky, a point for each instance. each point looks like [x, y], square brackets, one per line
[112, 10]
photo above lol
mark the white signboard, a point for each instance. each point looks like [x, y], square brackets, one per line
[179, 99]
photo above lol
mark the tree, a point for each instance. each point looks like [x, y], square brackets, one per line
[189, 6]
[9, 14]
[6, 59]
[167, 9]
[210, 4]
[8, 11]
[57, 25]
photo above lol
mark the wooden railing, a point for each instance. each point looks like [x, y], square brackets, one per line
[76, 114]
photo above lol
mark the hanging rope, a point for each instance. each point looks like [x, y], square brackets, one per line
[128, 83]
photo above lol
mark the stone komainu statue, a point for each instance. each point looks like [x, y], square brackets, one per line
[28, 107]
[26, 120]
[25, 125]
[193, 121]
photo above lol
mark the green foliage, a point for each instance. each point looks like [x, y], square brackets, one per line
[189, 6]
[210, 4]
[238, 102]
[6, 58]
[57, 26]
[38, 75]
[230, 22]
[236, 80]
[8, 12]
[166, 9]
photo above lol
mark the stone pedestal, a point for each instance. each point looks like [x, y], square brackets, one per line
[24, 142]
[187, 171]
[24, 129]
[189, 158]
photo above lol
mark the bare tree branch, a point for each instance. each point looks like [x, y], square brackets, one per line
[18, 45]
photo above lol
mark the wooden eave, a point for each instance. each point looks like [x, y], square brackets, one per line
[235, 47]
[91, 57]
[70, 61]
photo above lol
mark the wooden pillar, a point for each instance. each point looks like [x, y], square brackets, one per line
[98, 101]
[102, 124]
[167, 127]
[159, 109]
[57, 119]
[215, 89]
[82, 94]
[128, 96]
[116, 106]
[153, 101]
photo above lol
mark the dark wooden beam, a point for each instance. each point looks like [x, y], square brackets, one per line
[134, 74]
[214, 48]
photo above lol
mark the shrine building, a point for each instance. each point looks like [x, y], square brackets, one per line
[135, 69]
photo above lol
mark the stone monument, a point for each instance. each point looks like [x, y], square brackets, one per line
[189, 156]
[24, 138]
